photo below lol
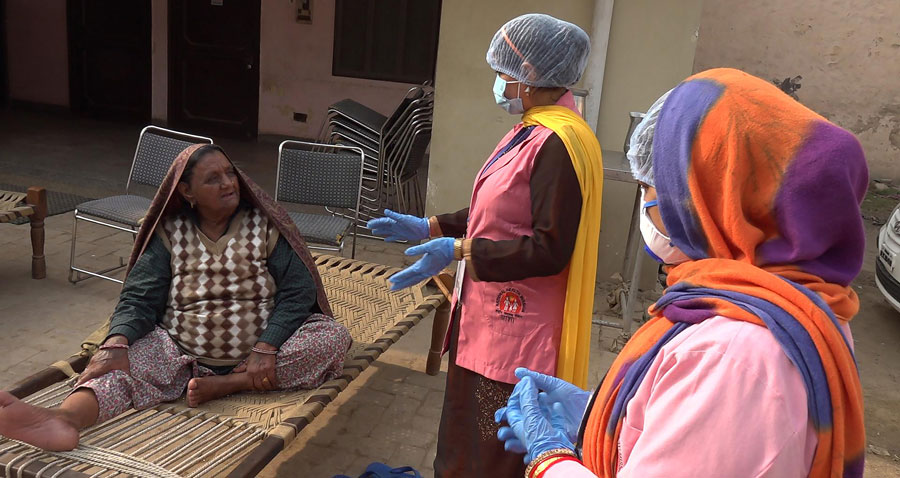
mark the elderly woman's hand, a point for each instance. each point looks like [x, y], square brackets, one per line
[105, 361]
[261, 368]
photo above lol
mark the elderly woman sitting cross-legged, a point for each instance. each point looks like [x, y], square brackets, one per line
[221, 296]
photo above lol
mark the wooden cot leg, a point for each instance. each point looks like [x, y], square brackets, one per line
[37, 198]
[439, 327]
[438, 331]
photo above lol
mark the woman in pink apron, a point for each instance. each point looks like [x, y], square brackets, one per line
[534, 210]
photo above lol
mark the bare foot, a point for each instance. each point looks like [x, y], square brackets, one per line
[40, 427]
[204, 389]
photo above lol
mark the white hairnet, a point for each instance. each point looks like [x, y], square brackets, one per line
[640, 147]
[556, 51]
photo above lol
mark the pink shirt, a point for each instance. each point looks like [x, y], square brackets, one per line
[720, 399]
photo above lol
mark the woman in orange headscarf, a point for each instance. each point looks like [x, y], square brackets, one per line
[746, 366]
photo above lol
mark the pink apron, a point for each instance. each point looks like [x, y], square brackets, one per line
[504, 325]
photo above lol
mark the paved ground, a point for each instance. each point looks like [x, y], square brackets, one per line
[390, 413]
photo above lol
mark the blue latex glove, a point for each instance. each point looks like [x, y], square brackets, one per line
[512, 443]
[438, 254]
[562, 398]
[400, 227]
[528, 424]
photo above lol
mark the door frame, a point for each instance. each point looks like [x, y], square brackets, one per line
[76, 66]
[174, 94]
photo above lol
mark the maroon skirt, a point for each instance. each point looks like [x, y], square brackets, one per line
[467, 438]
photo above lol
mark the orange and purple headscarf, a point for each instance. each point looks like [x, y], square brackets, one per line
[763, 195]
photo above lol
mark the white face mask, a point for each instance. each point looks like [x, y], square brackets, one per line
[512, 106]
[658, 245]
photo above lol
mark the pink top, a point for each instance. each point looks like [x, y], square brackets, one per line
[720, 399]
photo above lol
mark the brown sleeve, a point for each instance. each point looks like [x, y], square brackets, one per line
[556, 213]
[453, 224]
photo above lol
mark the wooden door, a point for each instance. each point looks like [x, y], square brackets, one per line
[109, 58]
[214, 66]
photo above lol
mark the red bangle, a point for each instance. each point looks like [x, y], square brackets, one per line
[556, 461]
[114, 346]
[546, 460]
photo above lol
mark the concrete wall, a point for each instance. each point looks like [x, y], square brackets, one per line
[37, 51]
[848, 53]
[651, 49]
[295, 72]
[467, 122]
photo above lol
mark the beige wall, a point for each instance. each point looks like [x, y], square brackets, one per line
[37, 49]
[651, 49]
[295, 72]
[467, 122]
[847, 52]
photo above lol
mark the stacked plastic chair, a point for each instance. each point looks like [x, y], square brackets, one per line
[394, 149]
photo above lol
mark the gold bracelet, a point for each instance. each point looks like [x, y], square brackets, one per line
[546, 455]
[458, 249]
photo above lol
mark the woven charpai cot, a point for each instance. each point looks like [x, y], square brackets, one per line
[12, 206]
[212, 440]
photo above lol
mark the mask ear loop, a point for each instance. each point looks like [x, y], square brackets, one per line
[646, 204]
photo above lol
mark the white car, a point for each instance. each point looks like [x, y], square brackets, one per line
[887, 267]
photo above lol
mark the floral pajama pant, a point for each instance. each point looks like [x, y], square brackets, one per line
[160, 372]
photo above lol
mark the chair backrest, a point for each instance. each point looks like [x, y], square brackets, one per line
[398, 142]
[307, 174]
[156, 150]
[416, 153]
[413, 94]
[396, 123]
[393, 142]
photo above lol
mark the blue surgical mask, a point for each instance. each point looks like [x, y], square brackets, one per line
[512, 106]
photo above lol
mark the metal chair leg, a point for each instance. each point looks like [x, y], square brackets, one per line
[73, 275]
[77, 274]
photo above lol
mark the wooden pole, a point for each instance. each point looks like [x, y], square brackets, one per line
[37, 198]
[444, 282]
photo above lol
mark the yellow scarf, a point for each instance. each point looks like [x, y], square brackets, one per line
[584, 150]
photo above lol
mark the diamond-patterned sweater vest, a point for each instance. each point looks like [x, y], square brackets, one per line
[222, 293]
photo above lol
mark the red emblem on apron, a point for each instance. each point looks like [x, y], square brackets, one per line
[510, 304]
